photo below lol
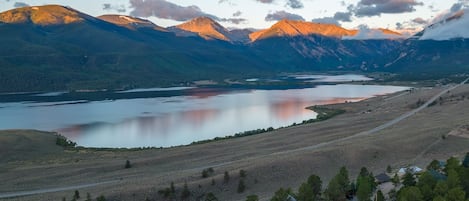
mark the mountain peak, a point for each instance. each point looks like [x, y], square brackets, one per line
[452, 27]
[42, 15]
[130, 22]
[292, 28]
[206, 28]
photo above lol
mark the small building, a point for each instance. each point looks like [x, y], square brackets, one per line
[411, 169]
[382, 178]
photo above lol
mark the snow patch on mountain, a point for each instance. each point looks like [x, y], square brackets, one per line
[456, 26]
[373, 34]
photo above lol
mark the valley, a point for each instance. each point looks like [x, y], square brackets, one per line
[272, 160]
[119, 107]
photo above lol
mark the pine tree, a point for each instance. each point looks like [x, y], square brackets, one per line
[379, 196]
[408, 179]
[226, 177]
[76, 195]
[185, 194]
[241, 186]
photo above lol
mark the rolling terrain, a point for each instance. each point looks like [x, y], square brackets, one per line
[281, 158]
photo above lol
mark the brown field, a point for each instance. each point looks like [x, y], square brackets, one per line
[29, 160]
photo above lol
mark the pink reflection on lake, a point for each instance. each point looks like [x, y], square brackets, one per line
[170, 121]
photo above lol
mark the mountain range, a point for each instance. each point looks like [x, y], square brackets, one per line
[57, 48]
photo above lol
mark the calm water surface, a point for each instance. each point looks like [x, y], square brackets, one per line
[178, 120]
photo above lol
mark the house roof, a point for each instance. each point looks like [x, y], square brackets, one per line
[382, 178]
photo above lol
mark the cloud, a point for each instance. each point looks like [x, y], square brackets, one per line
[399, 26]
[166, 10]
[117, 8]
[237, 13]
[365, 33]
[420, 21]
[265, 1]
[280, 15]
[233, 20]
[343, 16]
[20, 4]
[461, 4]
[295, 4]
[326, 20]
[377, 7]
[336, 19]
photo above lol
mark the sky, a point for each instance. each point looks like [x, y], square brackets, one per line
[400, 15]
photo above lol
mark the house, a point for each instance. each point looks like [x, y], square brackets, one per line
[382, 178]
[411, 169]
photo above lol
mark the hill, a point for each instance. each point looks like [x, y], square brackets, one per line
[440, 49]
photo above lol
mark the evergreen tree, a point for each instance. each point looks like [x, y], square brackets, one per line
[76, 195]
[364, 189]
[465, 162]
[311, 189]
[434, 165]
[453, 179]
[388, 169]
[241, 186]
[127, 164]
[395, 180]
[410, 193]
[315, 183]
[101, 198]
[185, 194]
[305, 193]
[441, 188]
[343, 180]
[242, 173]
[282, 194]
[456, 194]
[408, 179]
[333, 191]
[451, 164]
[439, 198]
[379, 196]
[252, 198]
[426, 179]
[226, 177]
[211, 197]
[88, 197]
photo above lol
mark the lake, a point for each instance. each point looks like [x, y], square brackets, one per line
[193, 115]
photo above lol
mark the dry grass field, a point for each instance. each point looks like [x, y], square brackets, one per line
[30, 160]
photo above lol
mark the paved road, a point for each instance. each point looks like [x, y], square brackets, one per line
[312, 147]
[53, 190]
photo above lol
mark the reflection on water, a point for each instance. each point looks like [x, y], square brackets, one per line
[169, 121]
[332, 78]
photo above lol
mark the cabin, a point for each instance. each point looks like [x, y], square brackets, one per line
[382, 178]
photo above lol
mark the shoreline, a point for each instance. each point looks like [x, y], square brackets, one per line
[324, 113]
[267, 159]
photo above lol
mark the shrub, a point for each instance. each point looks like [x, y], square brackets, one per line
[211, 197]
[101, 198]
[226, 177]
[207, 172]
[64, 142]
[127, 164]
[252, 198]
[242, 173]
[241, 186]
[185, 192]
[76, 195]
